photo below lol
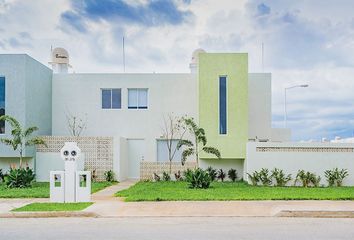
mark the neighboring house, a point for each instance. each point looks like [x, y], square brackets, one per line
[231, 104]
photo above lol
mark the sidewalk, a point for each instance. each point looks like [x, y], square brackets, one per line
[6, 204]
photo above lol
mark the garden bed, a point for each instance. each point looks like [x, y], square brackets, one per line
[41, 190]
[178, 191]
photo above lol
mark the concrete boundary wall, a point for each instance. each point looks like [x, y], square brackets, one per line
[147, 169]
[98, 151]
[313, 157]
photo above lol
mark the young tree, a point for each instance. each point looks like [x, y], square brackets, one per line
[173, 131]
[20, 137]
[199, 144]
[75, 124]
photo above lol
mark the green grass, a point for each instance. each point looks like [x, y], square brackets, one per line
[41, 207]
[41, 190]
[177, 191]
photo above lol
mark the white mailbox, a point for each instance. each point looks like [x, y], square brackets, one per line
[83, 186]
[57, 184]
[75, 185]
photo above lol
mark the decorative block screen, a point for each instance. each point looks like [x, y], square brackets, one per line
[98, 151]
[147, 169]
[304, 149]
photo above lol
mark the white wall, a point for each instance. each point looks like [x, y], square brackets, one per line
[80, 94]
[281, 135]
[291, 157]
[260, 105]
[6, 162]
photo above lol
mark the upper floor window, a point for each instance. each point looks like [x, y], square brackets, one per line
[2, 103]
[222, 105]
[137, 98]
[111, 98]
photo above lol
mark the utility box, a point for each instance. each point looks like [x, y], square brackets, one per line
[57, 186]
[83, 186]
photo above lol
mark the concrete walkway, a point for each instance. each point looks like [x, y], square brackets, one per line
[117, 208]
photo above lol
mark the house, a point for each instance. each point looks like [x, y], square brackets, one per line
[124, 113]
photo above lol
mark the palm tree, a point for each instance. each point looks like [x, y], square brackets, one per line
[199, 139]
[20, 137]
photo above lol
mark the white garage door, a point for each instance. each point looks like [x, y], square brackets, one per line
[136, 153]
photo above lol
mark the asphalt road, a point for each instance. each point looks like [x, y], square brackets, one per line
[219, 228]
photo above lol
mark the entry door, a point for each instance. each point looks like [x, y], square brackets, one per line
[136, 153]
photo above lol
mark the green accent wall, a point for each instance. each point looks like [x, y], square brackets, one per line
[235, 66]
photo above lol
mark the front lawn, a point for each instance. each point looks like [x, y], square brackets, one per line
[178, 191]
[40, 190]
[40, 207]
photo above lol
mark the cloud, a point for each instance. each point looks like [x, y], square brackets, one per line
[153, 13]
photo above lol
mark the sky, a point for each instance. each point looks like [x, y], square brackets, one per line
[305, 42]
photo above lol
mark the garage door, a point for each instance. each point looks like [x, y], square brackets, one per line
[136, 153]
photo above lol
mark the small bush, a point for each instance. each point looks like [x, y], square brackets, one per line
[307, 179]
[254, 177]
[212, 173]
[109, 176]
[265, 177]
[198, 178]
[2, 175]
[166, 176]
[19, 178]
[157, 178]
[281, 179]
[232, 174]
[221, 175]
[335, 176]
[178, 176]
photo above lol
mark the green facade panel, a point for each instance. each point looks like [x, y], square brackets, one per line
[234, 66]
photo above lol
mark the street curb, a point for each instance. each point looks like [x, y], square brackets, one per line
[52, 214]
[316, 214]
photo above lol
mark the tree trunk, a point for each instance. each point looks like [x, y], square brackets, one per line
[21, 159]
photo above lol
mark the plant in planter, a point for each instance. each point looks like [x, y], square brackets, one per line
[221, 175]
[197, 178]
[335, 176]
[178, 176]
[281, 179]
[156, 177]
[232, 174]
[212, 173]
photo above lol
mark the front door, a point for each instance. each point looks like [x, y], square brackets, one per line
[136, 153]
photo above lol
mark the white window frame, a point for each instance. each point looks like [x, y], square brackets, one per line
[137, 99]
[111, 108]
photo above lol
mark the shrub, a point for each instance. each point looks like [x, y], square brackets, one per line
[232, 174]
[307, 178]
[166, 176]
[19, 178]
[254, 177]
[281, 179]
[157, 178]
[2, 175]
[178, 176]
[221, 175]
[109, 176]
[335, 176]
[198, 178]
[265, 177]
[212, 173]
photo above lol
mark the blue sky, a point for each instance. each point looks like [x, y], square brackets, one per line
[306, 42]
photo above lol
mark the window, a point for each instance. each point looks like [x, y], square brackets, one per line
[222, 105]
[111, 98]
[162, 151]
[2, 103]
[138, 98]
